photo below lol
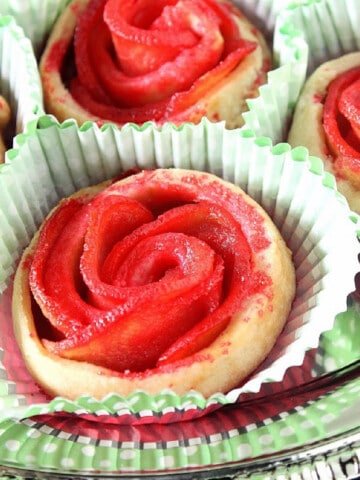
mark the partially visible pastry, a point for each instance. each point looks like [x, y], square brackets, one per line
[164, 279]
[165, 61]
[5, 115]
[327, 122]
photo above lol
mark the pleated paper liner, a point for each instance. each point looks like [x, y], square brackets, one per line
[36, 17]
[268, 114]
[55, 160]
[329, 27]
[316, 31]
[263, 13]
[340, 346]
[19, 76]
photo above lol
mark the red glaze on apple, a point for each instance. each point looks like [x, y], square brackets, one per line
[148, 276]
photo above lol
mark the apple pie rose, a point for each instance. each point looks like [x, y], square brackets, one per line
[161, 279]
[327, 121]
[146, 60]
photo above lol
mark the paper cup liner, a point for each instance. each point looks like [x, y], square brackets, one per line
[340, 346]
[263, 13]
[19, 76]
[35, 17]
[270, 113]
[329, 27]
[55, 160]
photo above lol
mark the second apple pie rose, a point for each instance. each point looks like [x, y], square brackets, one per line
[168, 60]
[327, 122]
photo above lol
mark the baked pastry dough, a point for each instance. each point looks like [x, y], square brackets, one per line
[5, 115]
[169, 61]
[164, 279]
[326, 121]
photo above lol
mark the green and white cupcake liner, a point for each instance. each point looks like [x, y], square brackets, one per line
[19, 75]
[270, 113]
[55, 160]
[215, 446]
[35, 17]
[340, 346]
[330, 28]
[263, 13]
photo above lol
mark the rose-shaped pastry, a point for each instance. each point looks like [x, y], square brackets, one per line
[163, 60]
[162, 279]
[327, 122]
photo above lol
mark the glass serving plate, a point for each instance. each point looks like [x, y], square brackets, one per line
[311, 430]
[211, 448]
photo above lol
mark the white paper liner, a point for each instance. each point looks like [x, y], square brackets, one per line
[36, 17]
[263, 12]
[329, 27]
[19, 76]
[54, 161]
[271, 111]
